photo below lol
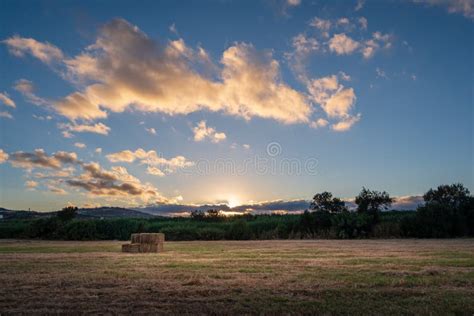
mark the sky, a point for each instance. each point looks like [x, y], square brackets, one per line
[123, 103]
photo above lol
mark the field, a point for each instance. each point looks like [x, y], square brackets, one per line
[240, 277]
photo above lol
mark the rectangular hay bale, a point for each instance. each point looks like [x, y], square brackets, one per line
[135, 239]
[152, 238]
[131, 248]
[151, 247]
[146, 248]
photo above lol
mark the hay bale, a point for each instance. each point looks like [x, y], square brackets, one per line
[152, 238]
[135, 238]
[146, 248]
[131, 248]
[144, 243]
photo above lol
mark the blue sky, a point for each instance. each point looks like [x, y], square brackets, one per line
[114, 103]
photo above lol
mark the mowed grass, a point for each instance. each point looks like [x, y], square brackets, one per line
[430, 277]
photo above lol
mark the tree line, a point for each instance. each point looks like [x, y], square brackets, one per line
[448, 212]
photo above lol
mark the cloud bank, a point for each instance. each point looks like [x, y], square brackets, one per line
[125, 69]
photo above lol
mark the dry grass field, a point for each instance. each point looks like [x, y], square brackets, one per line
[248, 277]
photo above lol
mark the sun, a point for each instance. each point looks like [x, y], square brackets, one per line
[233, 201]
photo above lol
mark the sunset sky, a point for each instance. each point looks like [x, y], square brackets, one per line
[139, 103]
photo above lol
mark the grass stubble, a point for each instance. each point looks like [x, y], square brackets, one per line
[423, 277]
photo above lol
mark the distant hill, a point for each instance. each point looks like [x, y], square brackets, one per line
[20, 214]
[99, 212]
[111, 212]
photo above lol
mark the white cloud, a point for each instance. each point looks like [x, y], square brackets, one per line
[54, 189]
[116, 182]
[67, 134]
[343, 21]
[340, 103]
[60, 170]
[5, 99]
[344, 76]
[377, 41]
[319, 123]
[335, 100]
[155, 171]
[173, 29]
[5, 114]
[464, 7]
[165, 79]
[380, 73]
[151, 130]
[322, 25]
[202, 132]
[3, 156]
[293, 3]
[98, 128]
[303, 46]
[43, 118]
[150, 158]
[45, 52]
[322, 88]
[342, 44]
[39, 159]
[346, 123]
[26, 88]
[246, 146]
[363, 23]
[360, 4]
[98, 150]
[30, 184]
[78, 106]
[80, 145]
[64, 172]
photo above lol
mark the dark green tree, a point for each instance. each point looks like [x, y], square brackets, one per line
[325, 202]
[197, 215]
[212, 214]
[454, 195]
[372, 202]
[448, 212]
[67, 213]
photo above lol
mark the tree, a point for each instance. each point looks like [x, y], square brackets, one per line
[453, 195]
[197, 215]
[448, 212]
[324, 202]
[67, 213]
[213, 214]
[371, 202]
